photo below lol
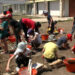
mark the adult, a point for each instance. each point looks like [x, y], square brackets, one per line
[29, 25]
[50, 51]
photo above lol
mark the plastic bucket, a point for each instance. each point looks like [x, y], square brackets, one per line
[24, 70]
[29, 46]
[69, 67]
[34, 72]
[44, 37]
[12, 38]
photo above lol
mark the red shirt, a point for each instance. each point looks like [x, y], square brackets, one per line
[29, 23]
[9, 14]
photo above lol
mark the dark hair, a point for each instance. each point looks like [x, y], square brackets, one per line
[31, 33]
[55, 22]
[4, 12]
[10, 9]
[38, 24]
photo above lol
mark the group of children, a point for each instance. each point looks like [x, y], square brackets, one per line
[32, 35]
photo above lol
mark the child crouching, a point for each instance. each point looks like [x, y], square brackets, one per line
[20, 55]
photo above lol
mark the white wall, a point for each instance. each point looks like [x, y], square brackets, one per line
[41, 7]
[55, 8]
[66, 8]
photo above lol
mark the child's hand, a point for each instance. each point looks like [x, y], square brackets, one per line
[42, 56]
[7, 69]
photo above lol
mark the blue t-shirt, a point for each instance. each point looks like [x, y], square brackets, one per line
[61, 41]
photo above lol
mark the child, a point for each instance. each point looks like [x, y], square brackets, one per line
[63, 41]
[73, 49]
[4, 32]
[49, 18]
[35, 39]
[50, 51]
[20, 55]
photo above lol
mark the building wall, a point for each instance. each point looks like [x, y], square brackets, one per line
[71, 8]
[18, 9]
[55, 8]
[41, 7]
[66, 8]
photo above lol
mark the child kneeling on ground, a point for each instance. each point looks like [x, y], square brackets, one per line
[62, 42]
[20, 55]
[50, 51]
[35, 39]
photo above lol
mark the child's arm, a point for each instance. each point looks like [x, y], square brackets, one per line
[8, 63]
[72, 48]
[35, 36]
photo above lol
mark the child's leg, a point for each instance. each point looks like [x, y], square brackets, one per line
[5, 45]
[18, 62]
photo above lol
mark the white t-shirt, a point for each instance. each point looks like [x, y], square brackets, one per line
[37, 39]
[20, 50]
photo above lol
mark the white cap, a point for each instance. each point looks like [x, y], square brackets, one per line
[45, 12]
[22, 45]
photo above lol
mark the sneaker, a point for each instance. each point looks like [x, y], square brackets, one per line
[17, 69]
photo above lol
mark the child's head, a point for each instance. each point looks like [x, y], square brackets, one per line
[69, 37]
[45, 13]
[10, 9]
[38, 24]
[31, 33]
[22, 45]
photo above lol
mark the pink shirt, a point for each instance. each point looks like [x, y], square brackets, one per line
[29, 23]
